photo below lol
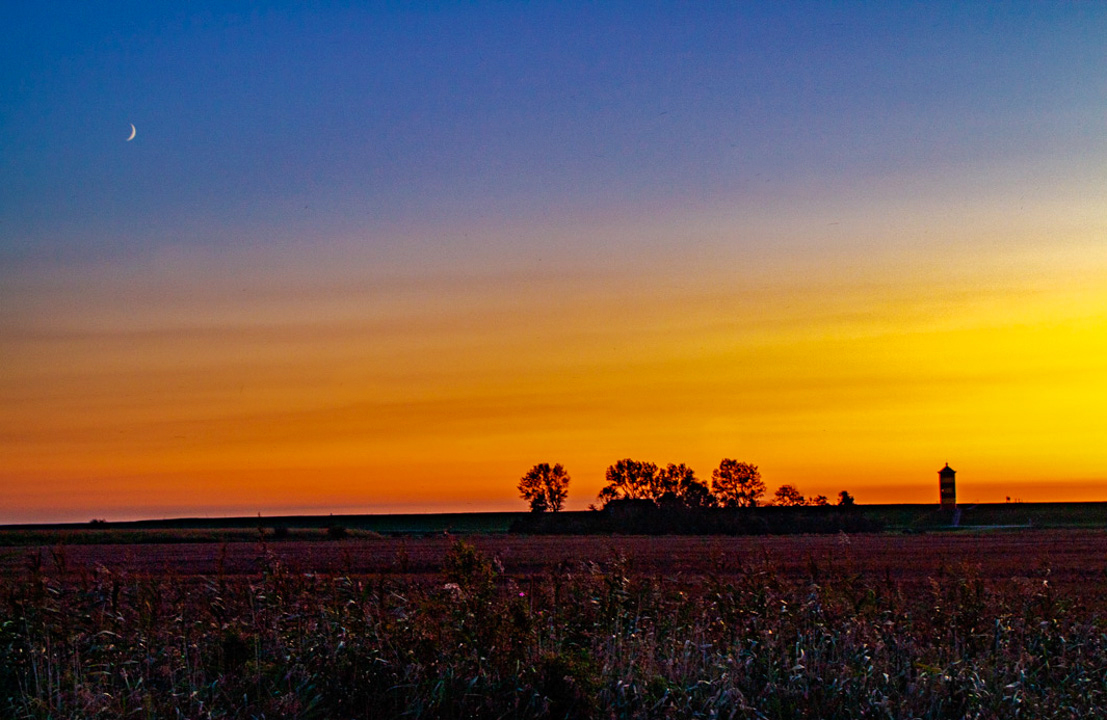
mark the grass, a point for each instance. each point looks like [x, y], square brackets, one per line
[1040, 515]
[314, 527]
[129, 536]
[587, 640]
[248, 529]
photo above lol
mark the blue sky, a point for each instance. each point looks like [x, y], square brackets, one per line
[284, 120]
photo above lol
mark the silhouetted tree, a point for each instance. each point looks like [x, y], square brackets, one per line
[630, 480]
[737, 484]
[666, 481]
[680, 485]
[788, 496]
[844, 498]
[545, 487]
[819, 500]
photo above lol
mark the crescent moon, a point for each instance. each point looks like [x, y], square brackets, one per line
[133, 131]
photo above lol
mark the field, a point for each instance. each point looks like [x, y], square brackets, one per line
[899, 517]
[1064, 556]
[931, 625]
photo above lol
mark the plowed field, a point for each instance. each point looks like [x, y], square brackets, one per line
[1064, 556]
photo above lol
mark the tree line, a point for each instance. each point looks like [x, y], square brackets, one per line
[734, 484]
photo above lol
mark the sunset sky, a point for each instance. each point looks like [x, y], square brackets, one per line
[386, 259]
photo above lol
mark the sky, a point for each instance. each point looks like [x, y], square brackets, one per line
[383, 258]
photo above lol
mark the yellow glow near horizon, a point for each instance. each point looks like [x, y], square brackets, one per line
[277, 389]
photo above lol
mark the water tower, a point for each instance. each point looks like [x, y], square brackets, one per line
[947, 487]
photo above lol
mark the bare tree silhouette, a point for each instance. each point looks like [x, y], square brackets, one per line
[737, 484]
[788, 496]
[545, 487]
[631, 480]
[680, 485]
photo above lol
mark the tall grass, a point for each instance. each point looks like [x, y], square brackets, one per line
[596, 640]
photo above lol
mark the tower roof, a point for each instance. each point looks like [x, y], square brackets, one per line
[947, 470]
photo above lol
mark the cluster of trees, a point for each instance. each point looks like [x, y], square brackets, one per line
[733, 484]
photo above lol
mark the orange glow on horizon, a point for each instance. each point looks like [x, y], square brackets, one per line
[437, 391]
